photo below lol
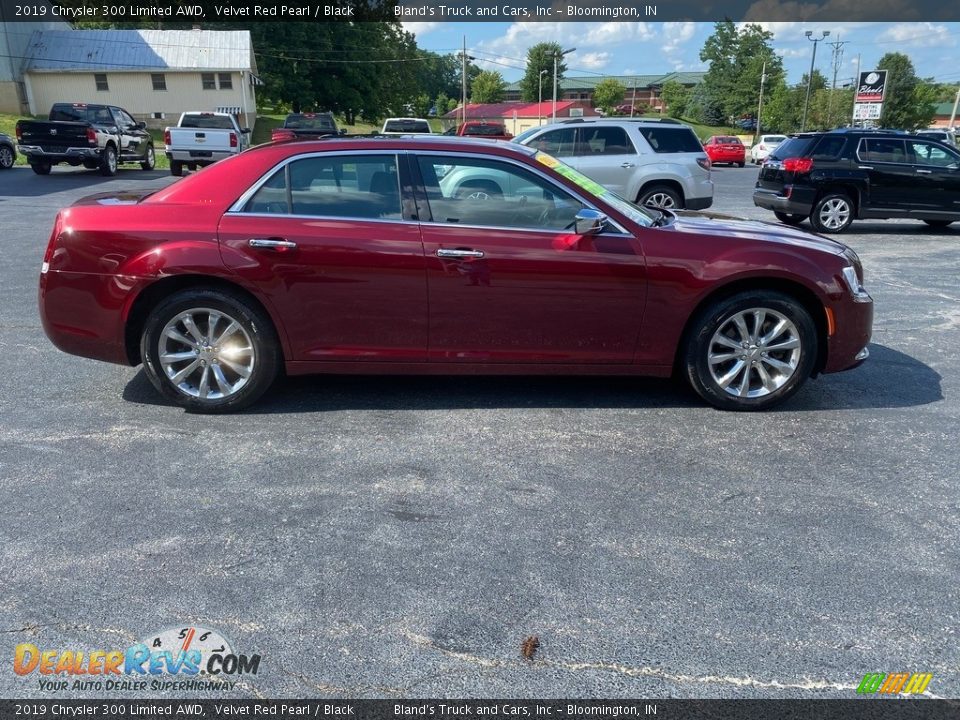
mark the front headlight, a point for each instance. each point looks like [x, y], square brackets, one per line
[855, 286]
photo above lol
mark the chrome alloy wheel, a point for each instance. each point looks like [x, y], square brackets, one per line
[660, 200]
[206, 354]
[834, 214]
[754, 352]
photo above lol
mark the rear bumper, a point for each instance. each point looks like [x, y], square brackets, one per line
[701, 203]
[780, 203]
[698, 193]
[65, 155]
[199, 157]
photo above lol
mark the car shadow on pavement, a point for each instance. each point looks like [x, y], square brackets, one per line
[889, 379]
[24, 183]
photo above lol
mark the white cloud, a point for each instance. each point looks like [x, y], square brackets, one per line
[922, 34]
[589, 60]
[675, 37]
[420, 28]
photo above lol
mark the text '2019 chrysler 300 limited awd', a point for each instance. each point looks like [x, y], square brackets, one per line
[439, 256]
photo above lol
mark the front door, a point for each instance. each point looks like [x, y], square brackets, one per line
[510, 282]
[133, 140]
[936, 188]
[326, 241]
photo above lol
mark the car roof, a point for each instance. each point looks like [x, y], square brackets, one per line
[643, 121]
[443, 143]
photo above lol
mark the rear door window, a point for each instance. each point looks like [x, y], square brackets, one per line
[671, 139]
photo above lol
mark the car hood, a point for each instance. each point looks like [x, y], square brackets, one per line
[730, 226]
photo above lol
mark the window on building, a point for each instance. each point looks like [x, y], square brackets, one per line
[226, 81]
[209, 81]
[159, 81]
[101, 80]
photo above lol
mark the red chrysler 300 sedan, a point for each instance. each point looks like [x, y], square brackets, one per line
[435, 255]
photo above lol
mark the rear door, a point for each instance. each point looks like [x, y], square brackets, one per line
[328, 239]
[892, 178]
[605, 154]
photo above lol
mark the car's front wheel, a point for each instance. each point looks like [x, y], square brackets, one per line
[750, 351]
[832, 213]
[210, 351]
[661, 197]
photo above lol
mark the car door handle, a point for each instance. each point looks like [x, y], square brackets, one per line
[271, 244]
[924, 172]
[865, 167]
[458, 253]
[627, 165]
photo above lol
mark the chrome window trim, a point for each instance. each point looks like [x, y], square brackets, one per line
[884, 162]
[337, 218]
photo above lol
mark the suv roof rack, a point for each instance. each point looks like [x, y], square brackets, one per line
[666, 121]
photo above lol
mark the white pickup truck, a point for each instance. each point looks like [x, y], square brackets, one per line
[202, 138]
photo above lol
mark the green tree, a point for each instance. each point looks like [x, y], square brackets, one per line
[441, 103]
[675, 96]
[608, 93]
[909, 102]
[540, 57]
[421, 105]
[488, 87]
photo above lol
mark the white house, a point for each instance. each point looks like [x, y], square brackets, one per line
[153, 74]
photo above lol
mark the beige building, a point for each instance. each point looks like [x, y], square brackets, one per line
[153, 74]
[14, 39]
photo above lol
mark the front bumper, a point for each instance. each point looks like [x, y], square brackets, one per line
[853, 326]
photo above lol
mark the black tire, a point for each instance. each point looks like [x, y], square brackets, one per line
[108, 161]
[717, 319]
[149, 159]
[7, 157]
[654, 195]
[789, 218]
[938, 224]
[256, 328]
[41, 168]
[839, 221]
[176, 168]
[91, 164]
[740, 164]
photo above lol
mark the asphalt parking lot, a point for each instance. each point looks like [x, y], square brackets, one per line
[393, 537]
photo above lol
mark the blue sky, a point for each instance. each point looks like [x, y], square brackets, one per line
[621, 48]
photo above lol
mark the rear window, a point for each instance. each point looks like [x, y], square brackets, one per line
[406, 126]
[773, 139]
[87, 113]
[829, 147]
[728, 141]
[484, 130]
[213, 122]
[793, 147]
[671, 140]
[310, 122]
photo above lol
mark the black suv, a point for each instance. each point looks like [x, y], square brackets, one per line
[838, 176]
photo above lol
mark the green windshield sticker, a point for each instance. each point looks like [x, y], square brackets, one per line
[594, 188]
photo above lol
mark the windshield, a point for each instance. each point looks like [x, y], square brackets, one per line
[484, 130]
[639, 215]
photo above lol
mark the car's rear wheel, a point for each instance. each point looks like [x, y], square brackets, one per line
[210, 351]
[750, 351]
[790, 218]
[176, 168]
[41, 168]
[740, 164]
[6, 157]
[832, 213]
[150, 159]
[108, 163]
[938, 223]
[91, 164]
[660, 196]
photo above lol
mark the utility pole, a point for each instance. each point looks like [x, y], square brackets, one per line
[856, 89]
[836, 60]
[763, 80]
[953, 115]
[556, 58]
[540, 97]
[813, 60]
[464, 78]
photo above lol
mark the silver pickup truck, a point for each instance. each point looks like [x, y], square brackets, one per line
[202, 138]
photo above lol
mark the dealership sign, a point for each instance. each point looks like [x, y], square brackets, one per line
[872, 86]
[867, 111]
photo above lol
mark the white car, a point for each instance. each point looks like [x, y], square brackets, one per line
[764, 146]
[406, 126]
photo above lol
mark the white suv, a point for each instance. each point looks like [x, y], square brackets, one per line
[659, 163]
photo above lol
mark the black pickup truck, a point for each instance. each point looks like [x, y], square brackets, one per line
[95, 136]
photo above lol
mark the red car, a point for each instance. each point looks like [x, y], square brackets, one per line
[444, 256]
[725, 149]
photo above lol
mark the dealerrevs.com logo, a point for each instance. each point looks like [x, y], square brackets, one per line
[186, 658]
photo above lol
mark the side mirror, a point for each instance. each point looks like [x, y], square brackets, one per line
[141, 126]
[245, 131]
[589, 222]
[343, 131]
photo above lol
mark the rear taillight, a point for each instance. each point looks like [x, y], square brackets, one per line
[762, 146]
[57, 225]
[19, 134]
[233, 139]
[279, 134]
[704, 163]
[91, 136]
[166, 137]
[800, 166]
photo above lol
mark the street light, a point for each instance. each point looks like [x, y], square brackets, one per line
[556, 58]
[540, 97]
[813, 59]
